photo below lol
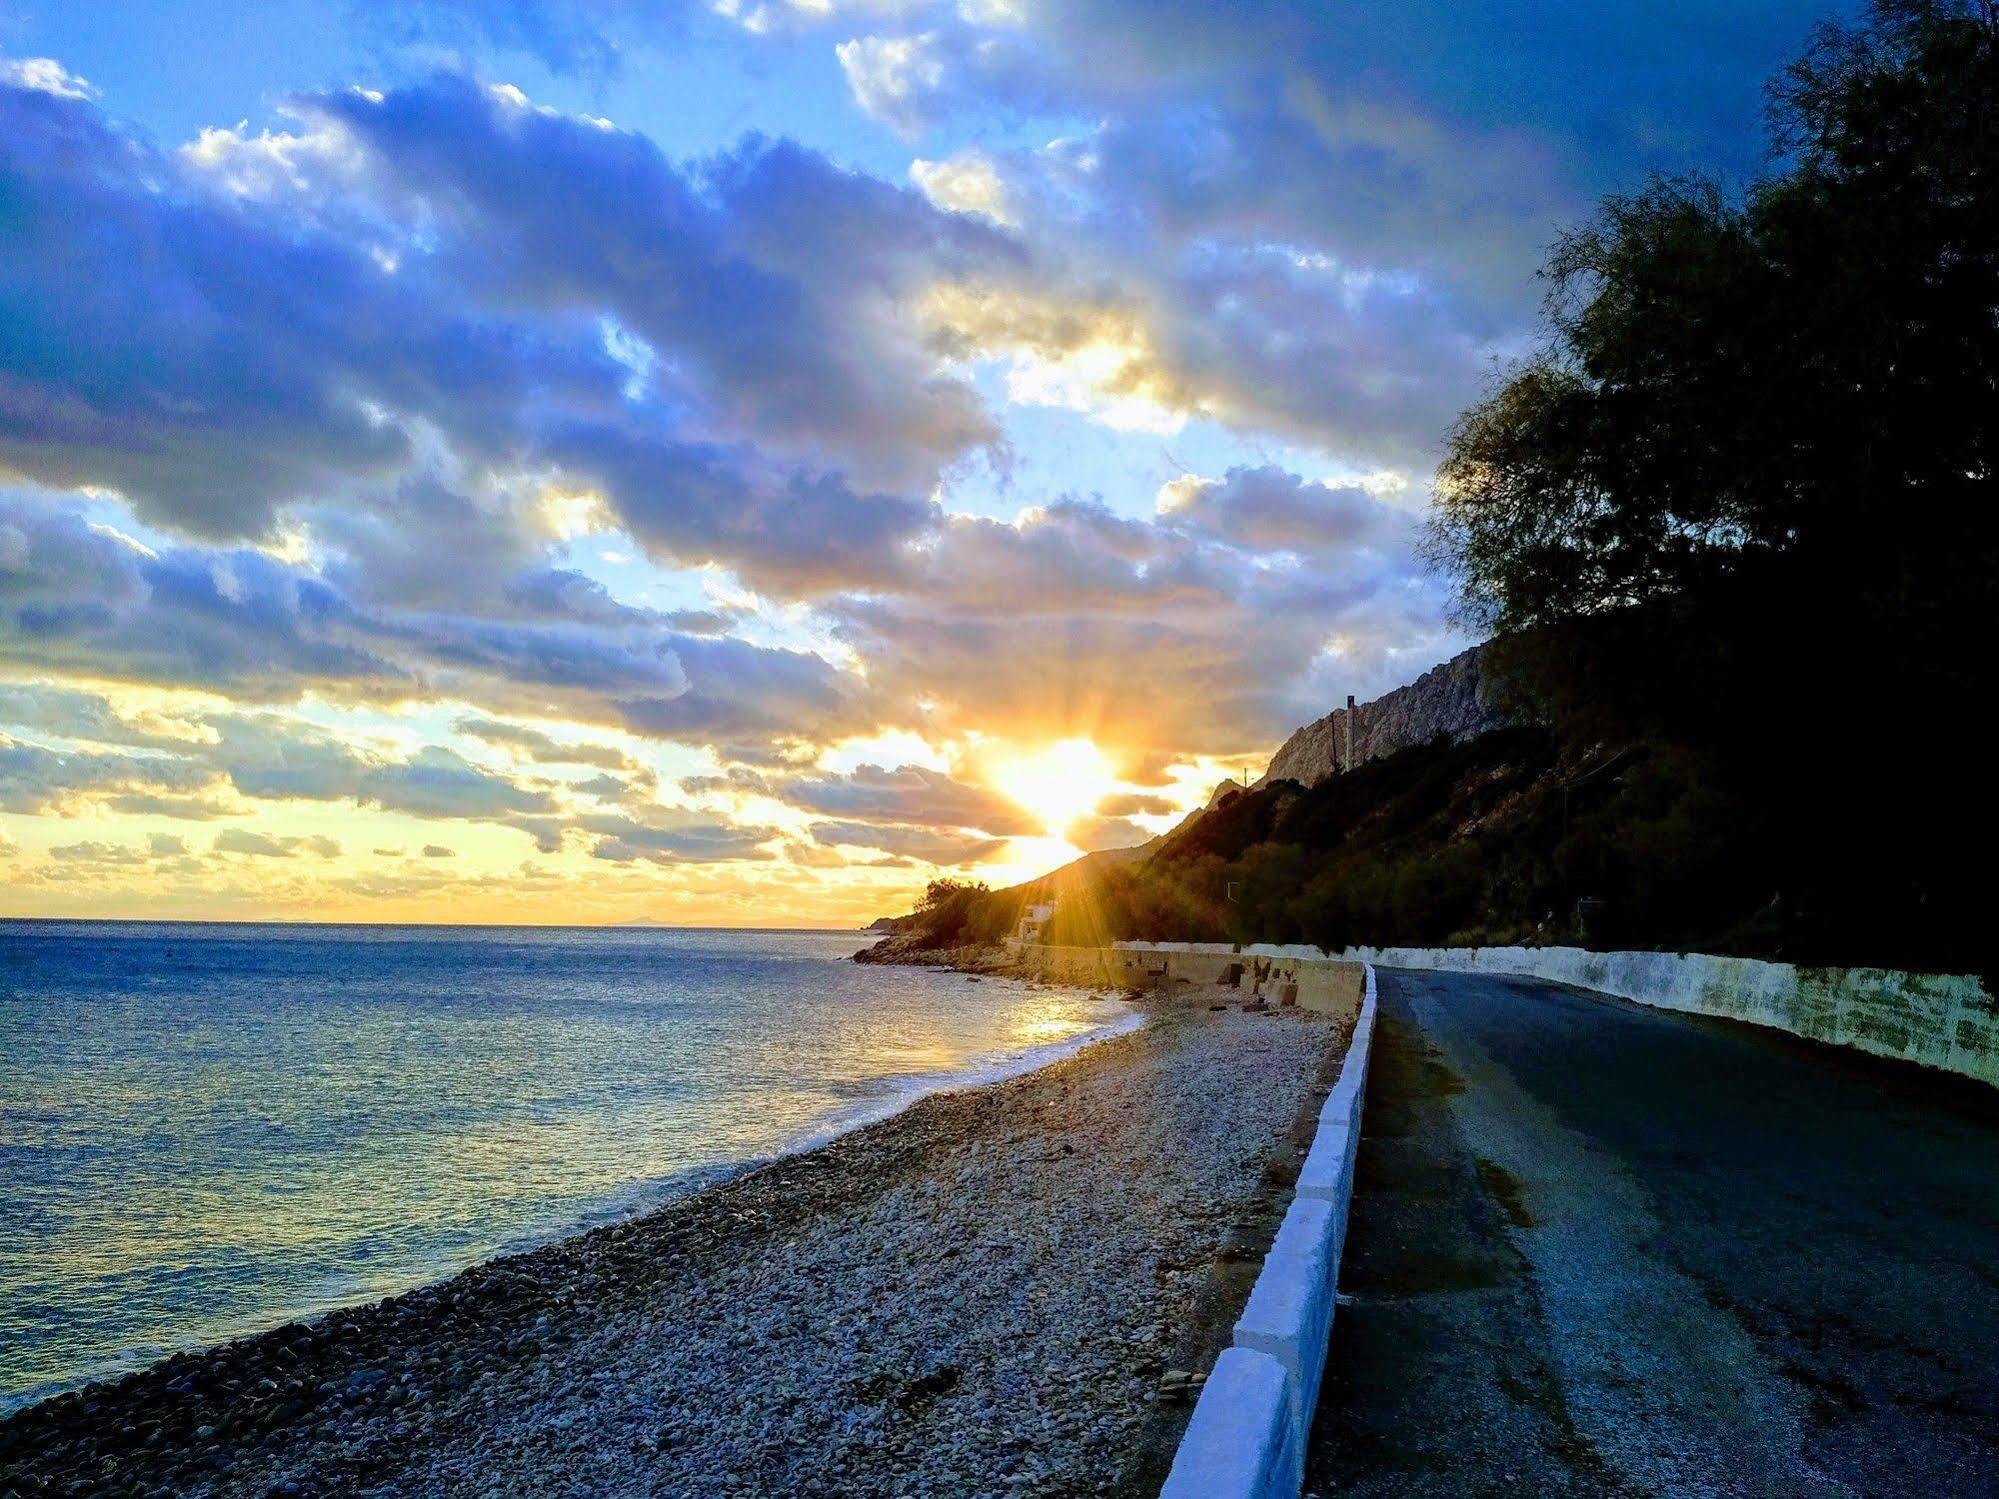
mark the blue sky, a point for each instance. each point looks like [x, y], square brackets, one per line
[734, 462]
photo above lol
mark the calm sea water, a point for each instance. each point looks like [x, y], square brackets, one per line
[207, 1130]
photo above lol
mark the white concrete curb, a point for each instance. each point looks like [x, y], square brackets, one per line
[1246, 1439]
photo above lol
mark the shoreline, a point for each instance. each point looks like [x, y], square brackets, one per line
[1047, 1229]
[641, 1199]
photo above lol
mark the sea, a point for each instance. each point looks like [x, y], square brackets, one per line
[208, 1130]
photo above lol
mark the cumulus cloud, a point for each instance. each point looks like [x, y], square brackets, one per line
[1095, 833]
[574, 37]
[789, 339]
[928, 845]
[907, 794]
[1268, 509]
[670, 835]
[966, 182]
[264, 757]
[36, 779]
[894, 78]
[1137, 804]
[450, 265]
[252, 844]
[44, 75]
[97, 855]
[544, 749]
[276, 759]
[237, 620]
[1076, 620]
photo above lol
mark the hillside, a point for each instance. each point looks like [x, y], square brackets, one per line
[1507, 837]
[1458, 699]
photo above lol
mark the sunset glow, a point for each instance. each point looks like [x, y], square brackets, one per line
[1060, 784]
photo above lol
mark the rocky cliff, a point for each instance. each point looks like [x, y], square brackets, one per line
[1450, 699]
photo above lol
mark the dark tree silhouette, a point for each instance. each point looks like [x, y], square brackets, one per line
[1795, 389]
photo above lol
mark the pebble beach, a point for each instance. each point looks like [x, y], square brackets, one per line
[987, 1293]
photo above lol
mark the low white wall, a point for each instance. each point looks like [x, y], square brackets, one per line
[1938, 1020]
[1246, 1439]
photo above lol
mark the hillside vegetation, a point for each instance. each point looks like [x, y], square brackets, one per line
[1500, 839]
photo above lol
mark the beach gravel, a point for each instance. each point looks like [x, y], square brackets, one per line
[977, 1296]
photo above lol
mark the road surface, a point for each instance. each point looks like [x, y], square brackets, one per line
[1599, 1249]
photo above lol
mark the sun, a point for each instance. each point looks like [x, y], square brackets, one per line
[1060, 784]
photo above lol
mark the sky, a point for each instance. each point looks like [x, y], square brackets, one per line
[733, 463]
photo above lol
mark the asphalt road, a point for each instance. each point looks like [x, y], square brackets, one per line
[1599, 1249]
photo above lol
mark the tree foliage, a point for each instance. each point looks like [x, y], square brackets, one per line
[1744, 501]
[1793, 389]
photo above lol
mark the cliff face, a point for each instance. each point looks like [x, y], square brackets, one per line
[1448, 699]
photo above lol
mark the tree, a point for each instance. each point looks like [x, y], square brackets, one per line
[1794, 390]
[1744, 500]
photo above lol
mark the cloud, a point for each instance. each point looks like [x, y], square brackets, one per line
[38, 780]
[265, 757]
[439, 851]
[674, 836]
[572, 37]
[266, 846]
[927, 845]
[276, 759]
[966, 182]
[1096, 833]
[1137, 804]
[907, 794]
[738, 691]
[793, 534]
[1269, 510]
[98, 855]
[894, 78]
[532, 744]
[44, 75]
[1148, 635]
[236, 620]
[446, 278]
[69, 713]
[283, 347]
[768, 284]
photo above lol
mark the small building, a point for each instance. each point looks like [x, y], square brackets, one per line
[1033, 923]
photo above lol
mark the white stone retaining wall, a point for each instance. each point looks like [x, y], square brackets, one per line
[1937, 1020]
[1246, 1439]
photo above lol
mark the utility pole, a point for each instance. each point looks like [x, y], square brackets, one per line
[1348, 727]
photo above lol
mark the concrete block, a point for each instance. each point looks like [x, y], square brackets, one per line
[1247, 1436]
[1328, 1172]
[1290, 1309]
[1243, 1441]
